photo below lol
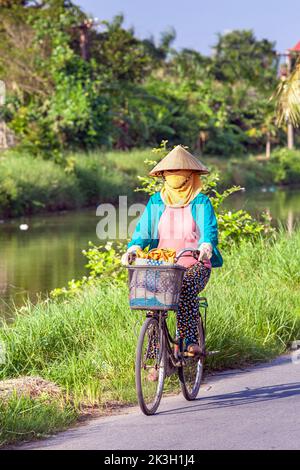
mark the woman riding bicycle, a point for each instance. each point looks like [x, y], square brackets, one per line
[178, 217]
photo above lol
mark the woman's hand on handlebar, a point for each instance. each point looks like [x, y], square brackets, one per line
[205, 251]
[130, 255]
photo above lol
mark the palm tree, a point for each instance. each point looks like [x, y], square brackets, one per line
[268, 130]
[287, 98]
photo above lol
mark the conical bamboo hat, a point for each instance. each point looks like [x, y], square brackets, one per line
[179, 159]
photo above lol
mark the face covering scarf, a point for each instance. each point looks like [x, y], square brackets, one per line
[180, 187]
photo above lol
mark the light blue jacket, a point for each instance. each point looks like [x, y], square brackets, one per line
[146, 231]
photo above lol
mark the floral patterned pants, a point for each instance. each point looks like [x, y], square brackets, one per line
[194, 281]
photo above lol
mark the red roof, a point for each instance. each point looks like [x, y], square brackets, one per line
[296, 48]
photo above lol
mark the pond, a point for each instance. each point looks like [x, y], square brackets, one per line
[48, 253]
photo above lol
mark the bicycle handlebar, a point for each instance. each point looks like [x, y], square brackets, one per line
[195, 253]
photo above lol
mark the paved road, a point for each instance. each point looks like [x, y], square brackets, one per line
[257, 408]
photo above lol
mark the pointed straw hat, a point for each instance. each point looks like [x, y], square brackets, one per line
[179, 159]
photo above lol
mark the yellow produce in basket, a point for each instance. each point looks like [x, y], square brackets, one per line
[158, 254]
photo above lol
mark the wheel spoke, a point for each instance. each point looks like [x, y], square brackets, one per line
[190, 374]
[150, 362]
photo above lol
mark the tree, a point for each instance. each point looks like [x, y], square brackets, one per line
[287, 99]
[239, 55]
[118, 51]
[61, 101]
[189, 65]
[265, 129]
[76, 82]
[160, 53]
[21, 52]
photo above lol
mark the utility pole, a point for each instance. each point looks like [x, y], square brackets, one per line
[6, 135]
[83, 38]
[3, 139]
[84, 28]
[290, 129]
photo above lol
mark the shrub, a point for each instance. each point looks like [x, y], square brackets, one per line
[98, 180]
[29, 185]
[250, 172]
[286, 166]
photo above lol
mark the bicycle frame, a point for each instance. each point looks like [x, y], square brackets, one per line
[168, 360]
[161, 316]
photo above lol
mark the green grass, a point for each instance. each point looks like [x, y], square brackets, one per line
[87, 344]
[24, 418]
[249, 171]
[132, 162]
[104, 176]
[31, 185]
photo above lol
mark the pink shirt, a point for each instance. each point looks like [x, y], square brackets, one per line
[177, 229]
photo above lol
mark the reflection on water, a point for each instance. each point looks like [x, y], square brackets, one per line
[43, 257]
[282, 205]
[48, 254]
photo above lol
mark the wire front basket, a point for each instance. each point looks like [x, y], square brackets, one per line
[155, 287]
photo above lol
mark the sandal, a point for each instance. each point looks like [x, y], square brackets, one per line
[194, 349]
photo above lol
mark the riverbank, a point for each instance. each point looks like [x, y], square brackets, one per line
[31, 185]
[86, 345]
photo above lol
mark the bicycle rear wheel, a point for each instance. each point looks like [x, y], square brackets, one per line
[191, 372]
[150, 356]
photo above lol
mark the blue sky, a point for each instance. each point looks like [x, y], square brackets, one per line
[197, 21]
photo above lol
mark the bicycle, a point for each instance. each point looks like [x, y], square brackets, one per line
[157, 289]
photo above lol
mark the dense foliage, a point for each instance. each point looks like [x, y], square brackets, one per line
[75, 82]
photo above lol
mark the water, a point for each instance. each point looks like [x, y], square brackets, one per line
[48, 254]
[43, 257]
[282, 205]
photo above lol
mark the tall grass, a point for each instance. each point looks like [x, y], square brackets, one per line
[31, 185]
[104, 176]
[24, 418]
[87, 344]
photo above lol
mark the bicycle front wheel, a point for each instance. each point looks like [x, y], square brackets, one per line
[150, 361]
[191, 372]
